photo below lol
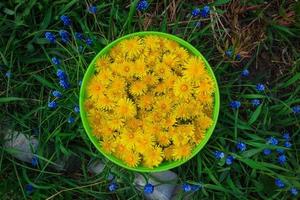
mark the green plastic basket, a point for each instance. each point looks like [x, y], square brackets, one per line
[166, 165]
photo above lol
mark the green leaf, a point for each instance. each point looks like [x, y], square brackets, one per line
[10, 99]
[291, 80]
[255, 115]
[44, 81]
[220, 2]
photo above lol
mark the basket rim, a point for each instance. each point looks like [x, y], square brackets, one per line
[166, 165]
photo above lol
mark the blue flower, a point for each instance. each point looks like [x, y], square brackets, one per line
[110, 177]
[149, 188]
[196, 187]
[255, 102]
[34, 161]
[112, 186]
[235, 104]
[198, 24]
[80, 82]
[55, 61]
[287, 144]
[57, 94]
[50, 37]
[64, 36]
[76, 109]
[80, 48]
[260, 87]
[66, 20]
[279, 183]
[186, 187]
[195, 12]
[205, 11]
[8, 74]
[219, 155]
[228, 53]
[272, 141]
[61, 74]
[28, 188]
[241, 146]
[286, 136]
[64, 84]
[238, 57]
[78, 36]
[281, 159]
[89, 41]
[52, 105]
[294, 191]
[92, 9]
[280, 151]
[142, 5]
[229, 160]
[71, 120]
[245, 73]
[296, 109]
[267, 152]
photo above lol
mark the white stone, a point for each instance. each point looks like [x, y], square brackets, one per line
[164, 184]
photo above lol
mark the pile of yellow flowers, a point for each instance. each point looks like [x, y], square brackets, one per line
[149, 101]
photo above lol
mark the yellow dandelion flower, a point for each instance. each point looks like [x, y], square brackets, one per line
[169, 45]
[151, 61]
[204, 122]
[116, 51]
[168, 152]
[162, 71]
[182, 54]
[205, 85]
[95, 88]
[131, 158]
[194, 69]
[183, 88]
[138, 88]
[133, 46]
[104, 103]
[182, 151]
[186, 129]
[152, 42]
[125, 69]
[154, 116]
[125, 108]
[115, 123]
[168, 121]
[105, 76]
[153, 157]
[120, 148]
[170, 81]
[102, 63]
[108, 145]
[198, 136]
[170, 60]
[163, 104]
[162, 139]
[144, 142]
[181, 111]
[161, 88]
[150, 79]
[128, 138]
[182, 134]
[88, 104]
[117, 84]
[204, 98]
[146, 101]
[139, 67]
[134, 123]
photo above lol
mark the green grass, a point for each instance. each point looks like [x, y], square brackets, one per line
[270, 51]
